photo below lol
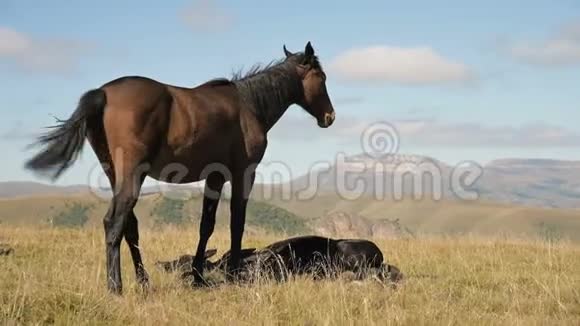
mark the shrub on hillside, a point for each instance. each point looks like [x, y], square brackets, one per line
[549, 232]
[73, 215]
[169, 211]
[274, 218]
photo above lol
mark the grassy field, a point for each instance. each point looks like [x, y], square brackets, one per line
[57, 276]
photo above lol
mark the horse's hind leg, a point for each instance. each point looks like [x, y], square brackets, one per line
[132, 239]
[127, 221]
[117, 224]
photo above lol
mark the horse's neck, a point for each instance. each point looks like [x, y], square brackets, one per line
[274, 115]
[269, 98]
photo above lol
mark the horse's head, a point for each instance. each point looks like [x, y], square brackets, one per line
[315, 99]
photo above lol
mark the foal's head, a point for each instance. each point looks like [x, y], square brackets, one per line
[315, 100]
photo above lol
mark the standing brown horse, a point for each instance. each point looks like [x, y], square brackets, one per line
[215, 132]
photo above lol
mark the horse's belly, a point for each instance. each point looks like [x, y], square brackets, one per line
[189, 165]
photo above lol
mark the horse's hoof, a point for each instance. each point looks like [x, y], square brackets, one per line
[144, 285]
[116, 290]
[143, 278]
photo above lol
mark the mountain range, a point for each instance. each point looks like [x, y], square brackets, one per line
[528, 182]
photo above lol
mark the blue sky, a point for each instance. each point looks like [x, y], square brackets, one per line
[459, 80]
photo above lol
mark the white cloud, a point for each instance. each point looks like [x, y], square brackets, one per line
[409, 66]
[562, 48]
[532, 135]
[206, 15]
[36, 54]
[12, 42]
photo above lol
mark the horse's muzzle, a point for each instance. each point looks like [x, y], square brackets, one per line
[327, 121]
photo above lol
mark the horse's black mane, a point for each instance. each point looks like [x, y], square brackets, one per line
[297, 58]
[269, 89]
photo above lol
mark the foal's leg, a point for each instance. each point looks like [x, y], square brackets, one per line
[213, 187]
[132, 239]
[241, 188]
[125, 198]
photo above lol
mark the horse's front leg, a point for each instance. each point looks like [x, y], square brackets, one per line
[211, 196]
[241, 188]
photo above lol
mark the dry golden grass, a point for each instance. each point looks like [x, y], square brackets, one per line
[57, 276]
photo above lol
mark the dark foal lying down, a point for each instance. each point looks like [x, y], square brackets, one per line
[311, 255]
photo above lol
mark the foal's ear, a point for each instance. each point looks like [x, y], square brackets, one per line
[210, 253]
[287, 53]
[309, 50]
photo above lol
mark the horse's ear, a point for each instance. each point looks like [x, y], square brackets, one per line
[287, 53]
[309, 50]
[210, 253]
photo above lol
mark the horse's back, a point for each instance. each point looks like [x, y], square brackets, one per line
[135, 92]
[131, 79]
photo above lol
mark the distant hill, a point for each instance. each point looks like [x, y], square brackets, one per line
[528, 182]
[15, 189]
[547, 183]
[42, 211]
[24, 189]
[442, 217]
[329, 214]
[529, 197]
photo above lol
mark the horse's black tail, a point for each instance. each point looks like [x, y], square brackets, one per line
[62, 146]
